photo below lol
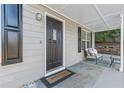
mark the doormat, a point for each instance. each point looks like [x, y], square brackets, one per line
[56, 78]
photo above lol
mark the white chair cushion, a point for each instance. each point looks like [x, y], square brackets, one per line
[91, 52]
[95, 51]
[87, 51]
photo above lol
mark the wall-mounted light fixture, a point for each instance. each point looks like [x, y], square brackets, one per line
[38, 16]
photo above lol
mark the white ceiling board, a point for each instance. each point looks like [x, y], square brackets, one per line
[78, 12]
[95, 22]
[107, 9]
[57, 7]
[112, 21]
[72, 12]
[86, 14]
[98, 27]
[82, 11]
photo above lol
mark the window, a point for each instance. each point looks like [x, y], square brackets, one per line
[11, 33]
[79, 39]
[83, 39]
[86, 39]
[89, 39]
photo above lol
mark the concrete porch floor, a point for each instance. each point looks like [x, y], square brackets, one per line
[87, 76]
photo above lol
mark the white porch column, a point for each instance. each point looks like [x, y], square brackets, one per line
[0, 37]
[122, 42]
[93, 39]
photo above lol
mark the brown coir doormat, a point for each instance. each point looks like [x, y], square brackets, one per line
[56, 78]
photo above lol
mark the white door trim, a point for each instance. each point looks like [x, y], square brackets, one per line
[63, 66]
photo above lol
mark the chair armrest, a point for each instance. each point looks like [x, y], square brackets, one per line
[98, 55]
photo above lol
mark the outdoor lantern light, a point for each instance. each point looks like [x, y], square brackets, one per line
[38, 16]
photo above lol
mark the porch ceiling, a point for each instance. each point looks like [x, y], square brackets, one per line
[97, 17]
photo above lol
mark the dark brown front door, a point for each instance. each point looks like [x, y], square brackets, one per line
[53, 43]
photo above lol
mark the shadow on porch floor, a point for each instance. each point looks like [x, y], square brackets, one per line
[87, 75]
[105, 62]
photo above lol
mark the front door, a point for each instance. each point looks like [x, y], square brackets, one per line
[54, 42]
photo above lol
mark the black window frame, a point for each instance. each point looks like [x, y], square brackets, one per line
[5, 28]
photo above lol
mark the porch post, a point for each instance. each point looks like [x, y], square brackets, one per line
[0, 37]
[93, 39]
[121, 42]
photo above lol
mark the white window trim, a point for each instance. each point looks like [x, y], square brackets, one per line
[86, 38]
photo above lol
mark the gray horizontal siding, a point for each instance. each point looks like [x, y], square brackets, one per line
[33, 65]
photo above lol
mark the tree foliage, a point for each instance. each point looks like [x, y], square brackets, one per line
[108, 36]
